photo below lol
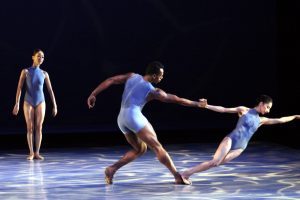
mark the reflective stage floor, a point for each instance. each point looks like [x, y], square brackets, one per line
[263, 171]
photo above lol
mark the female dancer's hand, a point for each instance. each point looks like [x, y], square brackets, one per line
[203, 103]
[16, 109]
[54, 111]
[91, 101]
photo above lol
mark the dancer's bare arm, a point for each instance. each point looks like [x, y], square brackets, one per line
[119, 79]
[160, 95]
[240, 109]
[19, 91]
[270, 121]
[51, 93]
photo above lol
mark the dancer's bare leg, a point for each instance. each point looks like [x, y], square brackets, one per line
[219, 156]
[148, 135]
[39, 116]
[139, 148]
[29, 118]
[232, 155]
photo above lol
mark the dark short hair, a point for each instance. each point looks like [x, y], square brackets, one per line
[154, 68]
[264, 99]
[35, 51]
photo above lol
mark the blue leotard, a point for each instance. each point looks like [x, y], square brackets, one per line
[134, 98]
[34, 86]
[245, 128]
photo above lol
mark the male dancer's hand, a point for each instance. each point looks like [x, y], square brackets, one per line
[203, 103]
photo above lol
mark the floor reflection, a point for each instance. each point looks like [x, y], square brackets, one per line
[264, 171]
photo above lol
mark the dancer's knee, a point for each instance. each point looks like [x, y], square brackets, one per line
[38, 128]
[158, 149]
[142, 149]
[215, 163]
[29, 131]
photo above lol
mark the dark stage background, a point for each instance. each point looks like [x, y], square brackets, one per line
[226, 51]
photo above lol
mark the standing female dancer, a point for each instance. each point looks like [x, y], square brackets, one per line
[236, 142]
[137, 130]
[34, 101]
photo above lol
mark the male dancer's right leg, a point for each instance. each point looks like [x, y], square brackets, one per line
[139, 148]
[148, 135]
[29, 118]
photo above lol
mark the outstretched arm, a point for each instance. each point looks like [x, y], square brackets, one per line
[119, 79]
[270, 121]
[19, 91]
[51, 93]
[161, 95]
[240, 109]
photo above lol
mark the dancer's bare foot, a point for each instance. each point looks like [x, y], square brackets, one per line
[109, 175]
[179, 179]
[30, 157]
[185, 175]
[38, 156]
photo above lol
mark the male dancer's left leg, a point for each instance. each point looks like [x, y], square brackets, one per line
[139, 148]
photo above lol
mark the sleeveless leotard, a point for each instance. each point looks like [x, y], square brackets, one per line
[245, 128]
[34, 86]
[134, 98]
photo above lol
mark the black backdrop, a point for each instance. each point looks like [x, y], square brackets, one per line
[227, 51]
